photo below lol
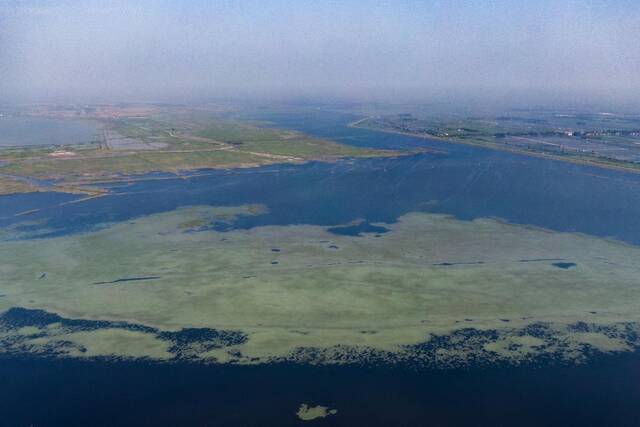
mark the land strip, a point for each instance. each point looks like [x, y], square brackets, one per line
[586, 141]
[162, 141]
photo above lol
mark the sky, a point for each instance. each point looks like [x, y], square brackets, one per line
[107, 51]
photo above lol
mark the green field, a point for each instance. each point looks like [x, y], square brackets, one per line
[171, 143]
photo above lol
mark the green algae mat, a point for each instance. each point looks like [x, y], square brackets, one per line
[432, 289]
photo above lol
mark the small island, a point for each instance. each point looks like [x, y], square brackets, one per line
[309, 413]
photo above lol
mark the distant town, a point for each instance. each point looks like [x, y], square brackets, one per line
[601, 139]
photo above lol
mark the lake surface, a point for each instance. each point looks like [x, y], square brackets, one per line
[75, 393]
[463, 181]
[23, 131]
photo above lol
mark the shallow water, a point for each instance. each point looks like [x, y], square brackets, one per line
[466, 182]
[24, 131]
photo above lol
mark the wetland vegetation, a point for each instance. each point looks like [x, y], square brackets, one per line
[378, 263]
[169, 140]
[431, 290]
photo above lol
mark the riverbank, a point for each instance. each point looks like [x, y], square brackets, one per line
[161, 147]
[600, 163]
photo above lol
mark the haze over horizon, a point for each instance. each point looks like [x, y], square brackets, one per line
[498, 51]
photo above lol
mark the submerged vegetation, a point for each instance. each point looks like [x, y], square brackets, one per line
[193, 283]
[432, 290]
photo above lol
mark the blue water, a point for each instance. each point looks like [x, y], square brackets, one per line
[24, 131]
[70, 393]
[463, 181]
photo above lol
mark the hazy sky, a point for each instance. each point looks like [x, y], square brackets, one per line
[171, 50]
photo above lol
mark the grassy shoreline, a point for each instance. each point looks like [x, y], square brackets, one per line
[133, 148]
